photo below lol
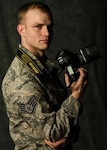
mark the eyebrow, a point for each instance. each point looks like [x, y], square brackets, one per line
[42, 24]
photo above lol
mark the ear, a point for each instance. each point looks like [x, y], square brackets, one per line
[21, 29]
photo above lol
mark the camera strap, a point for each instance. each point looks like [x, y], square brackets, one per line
[32, 64]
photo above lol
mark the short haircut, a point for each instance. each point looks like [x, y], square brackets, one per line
[30, 6]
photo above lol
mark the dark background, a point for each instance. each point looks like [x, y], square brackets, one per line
[77, 24]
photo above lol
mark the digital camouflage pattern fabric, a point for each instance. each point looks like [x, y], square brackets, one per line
[37, 109]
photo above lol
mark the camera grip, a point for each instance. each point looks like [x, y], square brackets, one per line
[73, 74]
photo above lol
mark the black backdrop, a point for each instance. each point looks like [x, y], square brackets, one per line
[77, 24]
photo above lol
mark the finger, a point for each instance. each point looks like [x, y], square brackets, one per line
[56, 144]
[83, 74]
[84, 86]
[49, 143]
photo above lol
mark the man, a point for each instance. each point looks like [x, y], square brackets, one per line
[42, 116]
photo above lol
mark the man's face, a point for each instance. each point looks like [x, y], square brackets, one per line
[36, 32]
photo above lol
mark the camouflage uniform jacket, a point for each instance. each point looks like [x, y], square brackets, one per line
[37, 109]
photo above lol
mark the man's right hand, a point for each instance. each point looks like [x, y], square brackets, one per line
[59, 143]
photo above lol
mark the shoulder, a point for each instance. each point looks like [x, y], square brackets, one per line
[18, 77]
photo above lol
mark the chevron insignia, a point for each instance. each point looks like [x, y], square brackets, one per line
[29, 107]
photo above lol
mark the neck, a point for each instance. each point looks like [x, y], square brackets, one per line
[37, 53]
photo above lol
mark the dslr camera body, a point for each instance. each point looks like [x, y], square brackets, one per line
[72, 61]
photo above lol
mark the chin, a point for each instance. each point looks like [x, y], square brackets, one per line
[45, 47]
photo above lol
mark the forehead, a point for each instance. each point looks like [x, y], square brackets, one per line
[37, 15]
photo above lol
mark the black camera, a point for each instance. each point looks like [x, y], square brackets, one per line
[72, 61]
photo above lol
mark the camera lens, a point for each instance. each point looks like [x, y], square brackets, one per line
[88, 54]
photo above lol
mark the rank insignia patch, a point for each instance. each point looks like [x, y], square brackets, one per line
[29, 107]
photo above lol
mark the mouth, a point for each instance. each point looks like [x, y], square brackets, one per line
[44, 41]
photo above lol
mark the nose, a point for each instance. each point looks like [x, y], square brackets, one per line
[45, 31]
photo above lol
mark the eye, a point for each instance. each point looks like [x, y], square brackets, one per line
[38, 26]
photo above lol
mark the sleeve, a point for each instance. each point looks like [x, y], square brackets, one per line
[30, 114]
